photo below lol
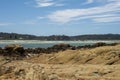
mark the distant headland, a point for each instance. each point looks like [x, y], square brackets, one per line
[16, 36]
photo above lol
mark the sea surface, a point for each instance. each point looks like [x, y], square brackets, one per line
[45, 44]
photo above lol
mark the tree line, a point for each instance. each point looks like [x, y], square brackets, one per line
[15, 36]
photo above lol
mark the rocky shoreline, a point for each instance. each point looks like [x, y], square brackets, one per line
[16, 50]
[99, 61]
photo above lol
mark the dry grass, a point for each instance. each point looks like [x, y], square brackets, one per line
[29, 71]
[100, 55]
[102, 63]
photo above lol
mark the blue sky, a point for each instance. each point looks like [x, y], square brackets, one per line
[60, 17]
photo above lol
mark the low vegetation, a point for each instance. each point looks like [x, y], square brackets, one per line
[97, 62]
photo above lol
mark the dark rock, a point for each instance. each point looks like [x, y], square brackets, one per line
[61, 46]
[79, 47]
[14, 49]
[73, 48]
[113, 44]
[99, 44]
[87, 46]
[55, 48]
[1, 51]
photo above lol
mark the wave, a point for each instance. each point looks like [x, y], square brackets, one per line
[48, 42]
[45, 44]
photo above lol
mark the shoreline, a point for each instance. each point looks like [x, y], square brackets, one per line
[18, 50]
[45, 44]
[101, 62]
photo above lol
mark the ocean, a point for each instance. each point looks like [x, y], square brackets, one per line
[45, 44]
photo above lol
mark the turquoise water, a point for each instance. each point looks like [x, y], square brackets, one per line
[45, 44]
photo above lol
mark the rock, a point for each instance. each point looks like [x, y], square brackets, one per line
[113, 44]
[73, 48]
[55, 48]
[87, 46]
[1, 50]
[99, 44]
[61, 46]
[35, 51]
[14, 49]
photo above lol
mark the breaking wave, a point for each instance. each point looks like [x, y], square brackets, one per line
[45, 44]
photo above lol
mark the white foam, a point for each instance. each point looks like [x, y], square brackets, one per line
[49, 42]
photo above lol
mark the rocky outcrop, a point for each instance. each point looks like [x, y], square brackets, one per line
[58, 47]
[99, 44]
[14, 50]
[55, 48]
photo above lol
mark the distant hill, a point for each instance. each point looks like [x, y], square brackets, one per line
[15, 36]
[97, 37]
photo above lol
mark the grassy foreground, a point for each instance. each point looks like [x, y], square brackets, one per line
[100, 63]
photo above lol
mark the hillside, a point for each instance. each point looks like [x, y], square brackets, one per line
[15, 36]
[100, 63]
[106, 55]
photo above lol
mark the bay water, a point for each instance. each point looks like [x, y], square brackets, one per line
[45, 44]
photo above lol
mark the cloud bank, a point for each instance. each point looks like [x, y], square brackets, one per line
[109, 12]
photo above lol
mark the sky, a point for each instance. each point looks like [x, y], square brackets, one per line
[60, 17]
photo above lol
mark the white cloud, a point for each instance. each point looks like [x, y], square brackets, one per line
[97, 17]
[6, 24]
[64, 16]
[47, 3]
[112, 0]
[89, 1]
[107, 19]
